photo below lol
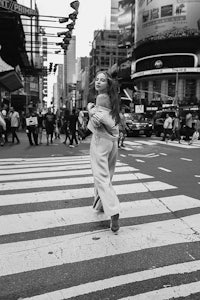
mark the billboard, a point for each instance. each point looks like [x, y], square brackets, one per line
[126, 22]
[166, 19]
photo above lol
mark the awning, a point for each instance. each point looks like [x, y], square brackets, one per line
[10, 80]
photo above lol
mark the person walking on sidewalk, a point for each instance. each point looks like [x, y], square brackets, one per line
[32, 126]
[73, 126]
[122, 129]
[14, 121]
[188, 127]
[176, 128]
[50, 125]
[103, 123]
[167, 126]
[66, 126]
[40, 125]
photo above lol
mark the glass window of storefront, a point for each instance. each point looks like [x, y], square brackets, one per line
[171, 87]
[190, 89]
[157, 89]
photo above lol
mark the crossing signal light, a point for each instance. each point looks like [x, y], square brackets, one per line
[63, 20]
[75, 5]
[50, 67]
[73, 16]
[70, 26]
[55, 68]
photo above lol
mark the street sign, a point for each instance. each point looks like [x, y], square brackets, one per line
[17, 8]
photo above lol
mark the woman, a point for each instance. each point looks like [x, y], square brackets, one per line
[176, 128]
[103, 123]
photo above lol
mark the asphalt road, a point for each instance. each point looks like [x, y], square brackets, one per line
[54, 246]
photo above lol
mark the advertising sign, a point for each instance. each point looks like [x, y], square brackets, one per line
[166, 19]
[125, 22]
[17, 8]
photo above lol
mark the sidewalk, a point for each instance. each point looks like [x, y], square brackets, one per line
[24, 150]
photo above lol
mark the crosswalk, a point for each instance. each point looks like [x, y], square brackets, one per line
[130, 144]
[54, 246]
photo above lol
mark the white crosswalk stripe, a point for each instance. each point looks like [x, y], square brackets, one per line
[48, 226]
[130, 145]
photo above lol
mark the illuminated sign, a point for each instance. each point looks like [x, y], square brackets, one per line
[164, 71]
[17, 8]
[166, 19]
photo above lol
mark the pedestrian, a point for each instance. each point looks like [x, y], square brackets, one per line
[40, 125]
[32, 126]
[73, 126]
[176, 128]
[196, 134]
[58, 125]
[66, 126]
[103, 123]
[6, 116]
[188, 127]
[167, 126]
[122, 128]
[49, 125]
[2, 129]
[14, 122]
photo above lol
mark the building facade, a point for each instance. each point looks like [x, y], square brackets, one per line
[166, 61]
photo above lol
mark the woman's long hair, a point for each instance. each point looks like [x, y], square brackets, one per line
[112, 91]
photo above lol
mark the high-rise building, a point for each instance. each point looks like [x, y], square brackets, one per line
[114, 15]
[69, 78]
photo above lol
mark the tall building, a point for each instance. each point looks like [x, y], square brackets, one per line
[69, 78]
[114, 14]
[105, 51]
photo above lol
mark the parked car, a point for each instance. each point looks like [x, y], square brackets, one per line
[138, 124]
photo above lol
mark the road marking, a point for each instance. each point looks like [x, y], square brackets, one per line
[173, 292]
[72, 194]
[61, 158]
[174, 144]
[163, 169]
[52, 174]
[197, 176]
[140, 160]
[164, 154]
[39, 220]
[186, 159]
[29, 184]
[54, 251]
[183, 290]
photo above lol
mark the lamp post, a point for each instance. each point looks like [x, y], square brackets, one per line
[175, 102]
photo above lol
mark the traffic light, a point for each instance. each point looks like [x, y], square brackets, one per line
[68, 34]
[50, 67]
[63, 20]
[73, 16]
[75, 5]
[55, 68]
[71, 25]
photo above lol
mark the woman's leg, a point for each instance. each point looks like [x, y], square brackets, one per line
[103, 158]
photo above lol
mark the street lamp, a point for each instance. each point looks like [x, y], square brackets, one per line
[175, 102]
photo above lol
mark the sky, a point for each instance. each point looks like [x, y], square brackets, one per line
[93, 15]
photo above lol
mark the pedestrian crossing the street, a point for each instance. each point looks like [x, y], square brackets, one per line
[54, 246]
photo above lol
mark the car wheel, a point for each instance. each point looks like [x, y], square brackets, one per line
[149, 134]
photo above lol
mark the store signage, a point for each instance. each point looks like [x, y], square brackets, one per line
[139, 109]
[17, 8]
[164, 71]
